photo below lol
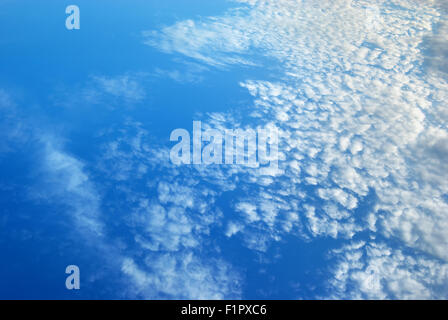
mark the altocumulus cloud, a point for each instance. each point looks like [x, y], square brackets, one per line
[359, 118]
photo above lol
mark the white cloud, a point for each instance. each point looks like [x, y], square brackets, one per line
[379, 272]
[233, 228]
[64, 181]
[249, 210]
[110, 91]
[170, 223]
[198, 40]
[183, 276]
[355, 111]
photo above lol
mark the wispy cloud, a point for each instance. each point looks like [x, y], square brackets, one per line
[64, 180]
[114, 91]
[124, 86]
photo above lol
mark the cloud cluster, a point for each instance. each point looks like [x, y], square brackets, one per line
[169, 219]
[182, 276]
[358, 115]
[363, 149]
[380, 272]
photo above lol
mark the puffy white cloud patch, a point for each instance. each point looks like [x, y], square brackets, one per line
[379, 272]
[168, 223]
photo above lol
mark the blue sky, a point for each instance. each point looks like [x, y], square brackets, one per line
[356, 210]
